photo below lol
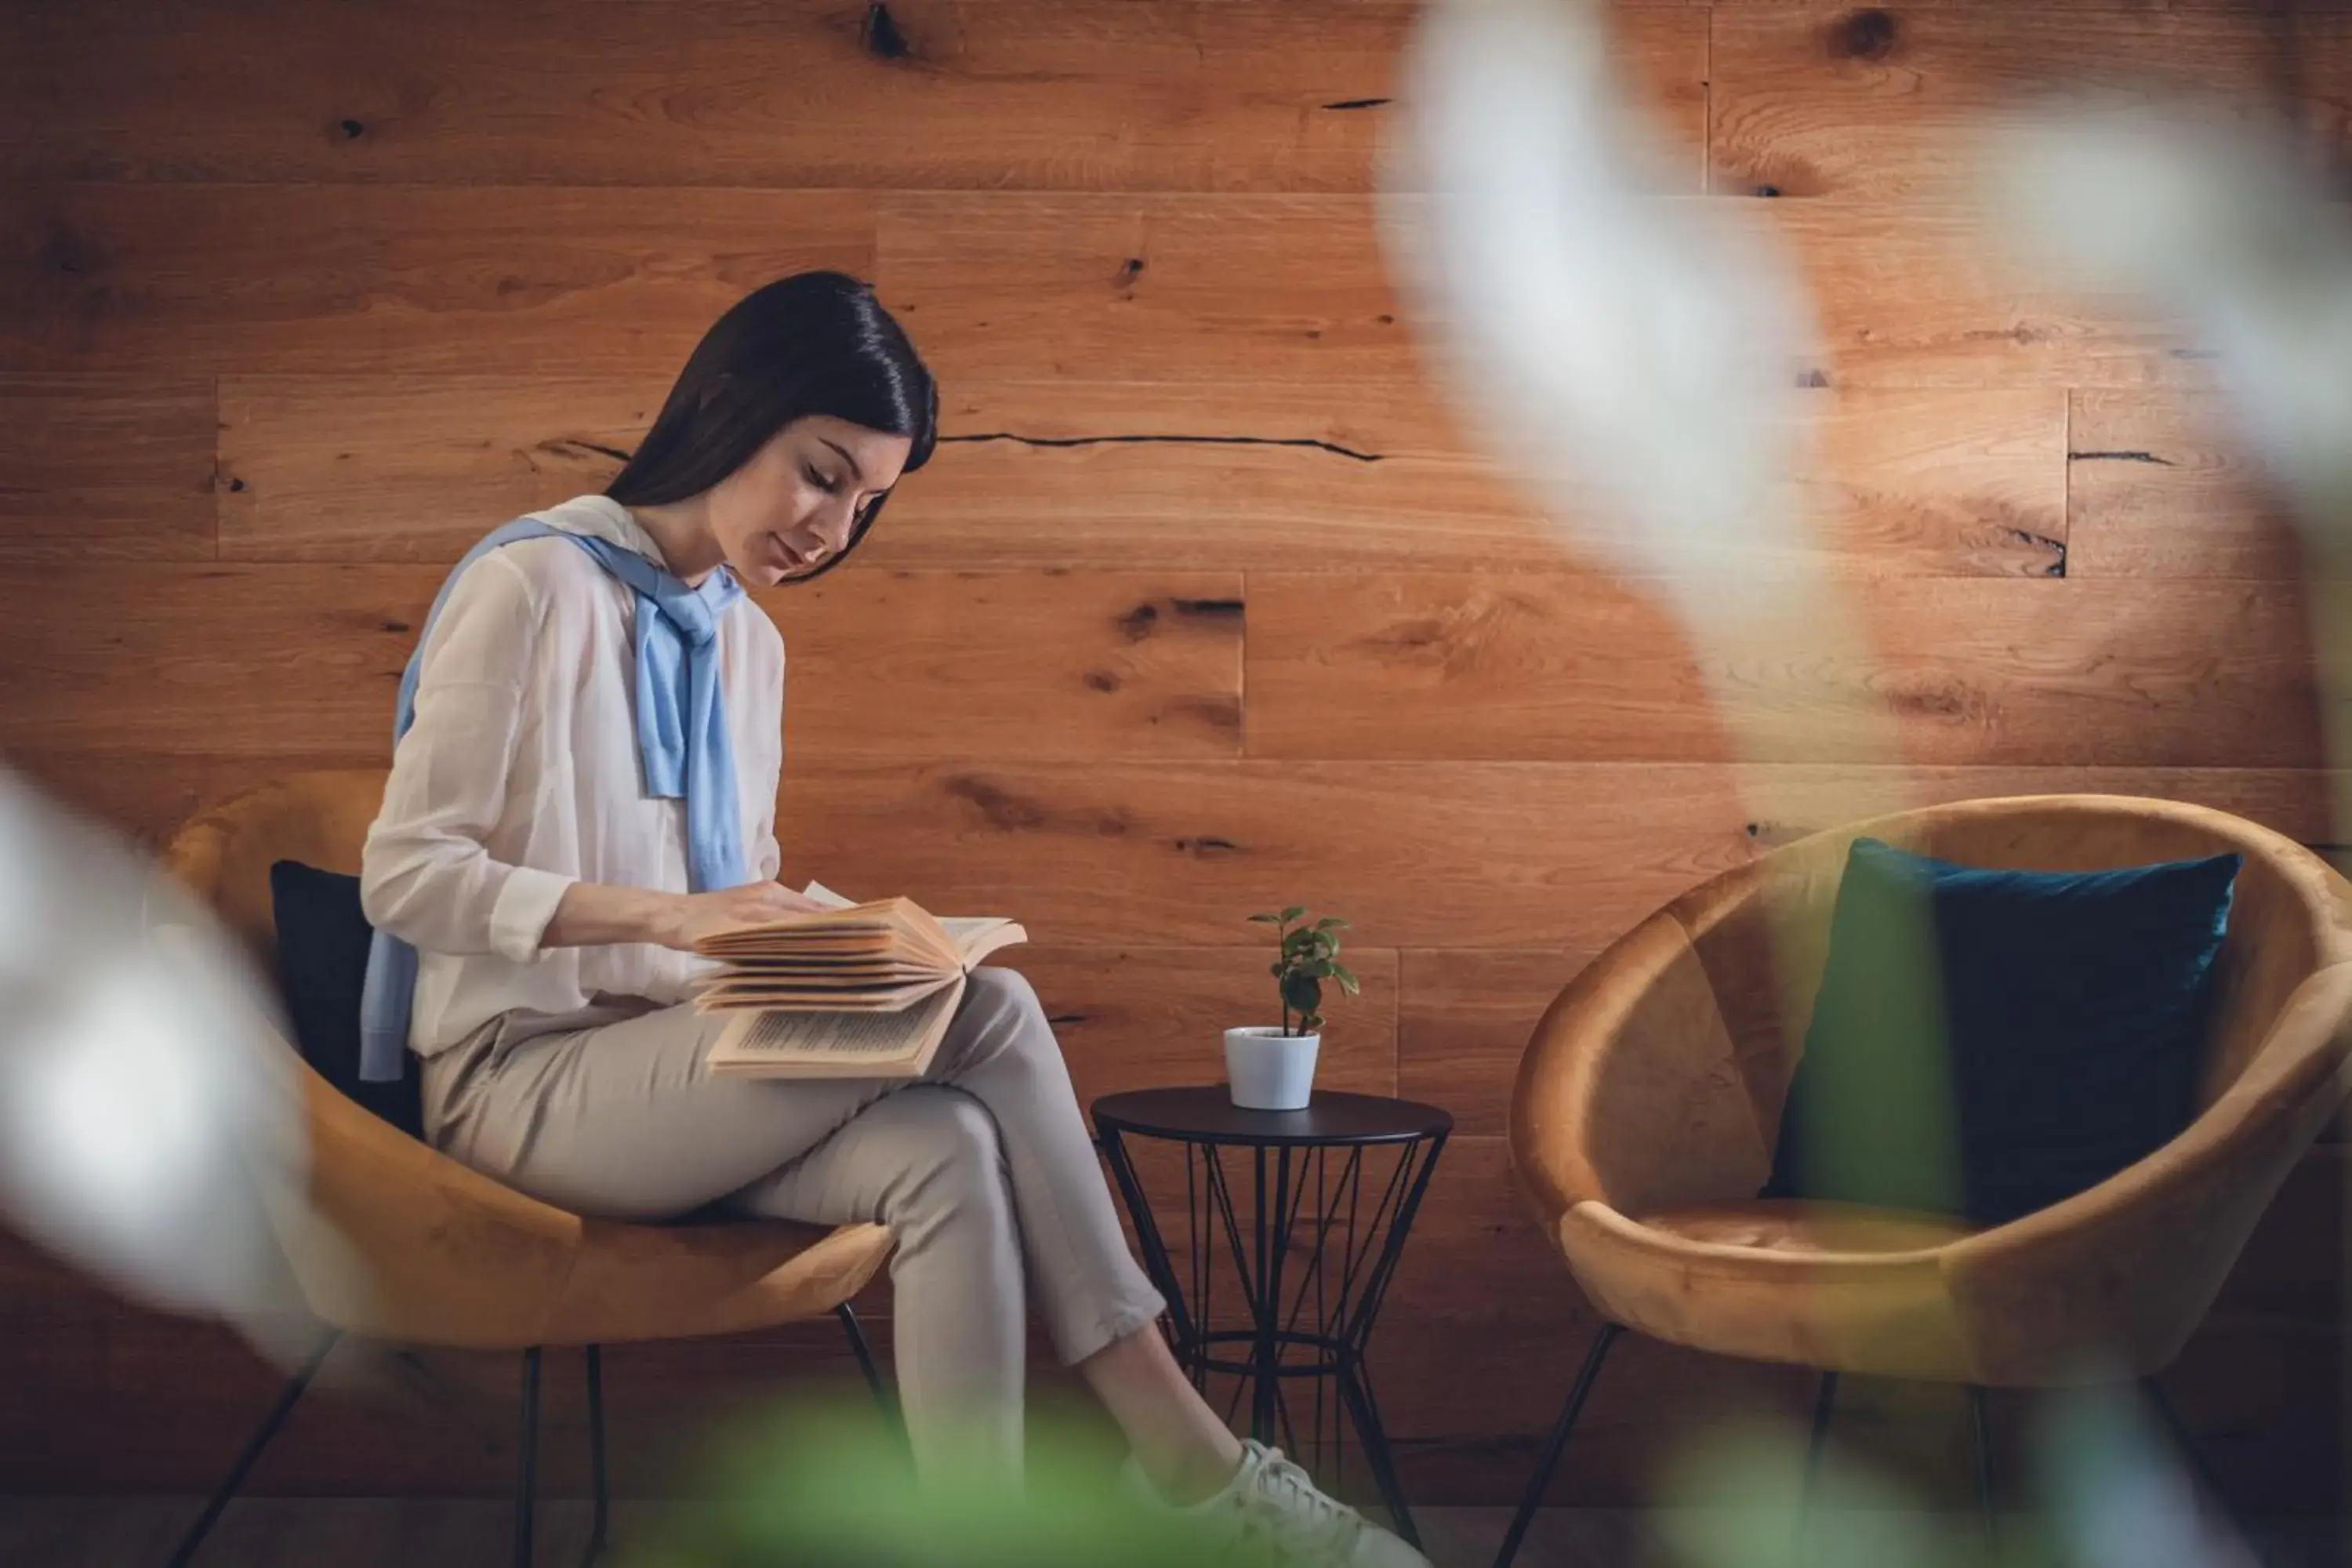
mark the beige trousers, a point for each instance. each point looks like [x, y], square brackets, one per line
[980, 1165]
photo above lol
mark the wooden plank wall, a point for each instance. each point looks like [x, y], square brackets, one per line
[1205, 606]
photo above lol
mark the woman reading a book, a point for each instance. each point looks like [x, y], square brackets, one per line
[584, 783]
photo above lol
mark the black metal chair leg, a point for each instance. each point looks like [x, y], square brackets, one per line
[865, 1353]
[1367, 1416]
[883, 1401]
[279, 1410]
[1825, 1405]
[526, 1475]
[1541, 1480]
[1981, 1419]
[596, 1532]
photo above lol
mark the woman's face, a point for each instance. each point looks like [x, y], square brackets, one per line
[795, 503]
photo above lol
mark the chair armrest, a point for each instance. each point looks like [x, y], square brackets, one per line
[1630, 1093]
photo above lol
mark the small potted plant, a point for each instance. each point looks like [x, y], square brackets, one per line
[1270, 1069]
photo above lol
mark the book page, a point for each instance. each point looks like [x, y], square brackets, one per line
[976, 939]
[826, 896]
[894, 936]
[739, 996]
[783, 1037]
[893, 927]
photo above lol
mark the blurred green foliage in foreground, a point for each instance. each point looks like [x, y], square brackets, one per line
[821, 1484]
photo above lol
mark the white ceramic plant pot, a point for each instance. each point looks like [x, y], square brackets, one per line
[1266, 1069]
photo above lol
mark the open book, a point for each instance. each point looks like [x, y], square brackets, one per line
[851, 991]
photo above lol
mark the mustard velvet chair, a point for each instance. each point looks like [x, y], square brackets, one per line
[395, 1241]
[1649, 1098]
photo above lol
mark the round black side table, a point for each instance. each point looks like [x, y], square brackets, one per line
[1312, 1241]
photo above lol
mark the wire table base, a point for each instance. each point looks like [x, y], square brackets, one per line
[1293, 1225]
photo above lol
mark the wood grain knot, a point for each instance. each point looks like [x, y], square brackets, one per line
[1935, 698]
[1209, 609]
[2056, 566]
[1137, 623]
[1405, 637]
[883, 39]
[1199, 847]
[2120, 455]
[573, 446]
[2026, 334]
[1221, 711]
[1865, 34]
[353, 130]
[1102, 680]
[1000, 808]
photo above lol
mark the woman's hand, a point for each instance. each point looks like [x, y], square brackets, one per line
[698, 915]
[591, 914]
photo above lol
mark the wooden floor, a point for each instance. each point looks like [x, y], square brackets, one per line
[393, 1533]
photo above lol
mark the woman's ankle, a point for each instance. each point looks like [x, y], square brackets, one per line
[1189, 1478]
[1181, 1449]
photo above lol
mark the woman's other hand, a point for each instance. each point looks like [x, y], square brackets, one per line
[698, 915]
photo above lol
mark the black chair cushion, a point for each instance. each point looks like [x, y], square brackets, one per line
[322, 953]
[1989, 1041]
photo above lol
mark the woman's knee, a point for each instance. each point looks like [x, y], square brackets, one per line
[1002, 1015]
[1002, 996]
[954, 1158]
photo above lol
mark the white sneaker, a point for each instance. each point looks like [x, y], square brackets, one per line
[1273, 1511]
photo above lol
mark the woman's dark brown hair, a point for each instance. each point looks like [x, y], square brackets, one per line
[815, 342]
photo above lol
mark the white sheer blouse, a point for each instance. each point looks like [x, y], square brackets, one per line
[519, 777]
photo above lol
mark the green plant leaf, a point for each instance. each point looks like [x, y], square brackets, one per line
[1330, 922]
[1268, 920]
[1293, 912]
[1347, 981]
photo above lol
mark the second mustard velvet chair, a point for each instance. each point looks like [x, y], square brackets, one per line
[1649, 1098]
[389, 1239]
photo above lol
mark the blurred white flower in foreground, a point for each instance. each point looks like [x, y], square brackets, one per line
[2223, 225]
[2105, 1490]
[1600, 334]
[2119, 1498]
[143, 1099]
[1633, 358]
